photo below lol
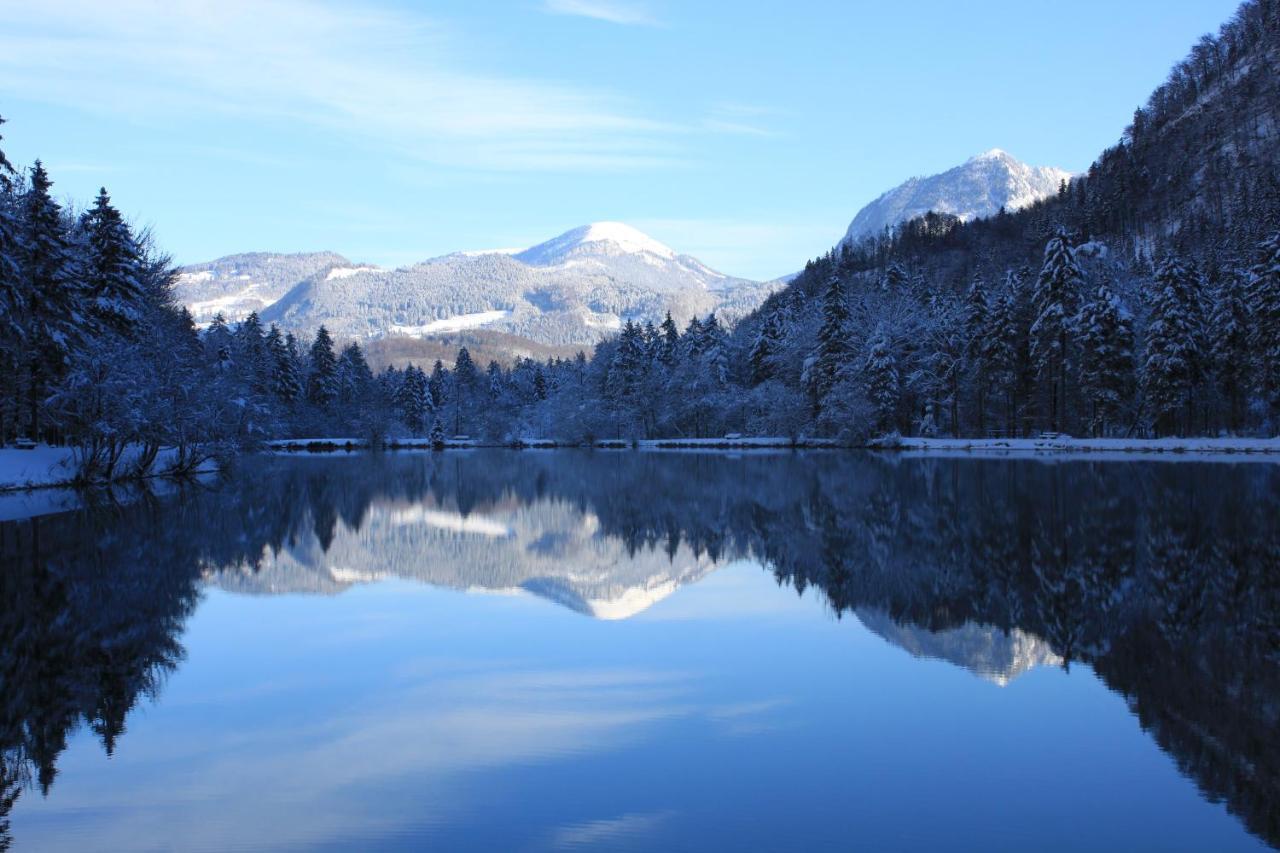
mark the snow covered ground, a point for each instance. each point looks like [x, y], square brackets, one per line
[46, 466]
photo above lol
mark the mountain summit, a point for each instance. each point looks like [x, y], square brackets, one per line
[598, 238]
[979, 187]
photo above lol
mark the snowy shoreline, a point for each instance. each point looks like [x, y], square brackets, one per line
[53, 467]
[46, 467]
[1197, 447]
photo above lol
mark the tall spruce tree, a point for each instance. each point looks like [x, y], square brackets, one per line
[355, 378]
[1106, 357]
[13, 332]
[286, 383]
[1169, 366]
[1229, 350]
[1263, 294]
[322, 379]
[1000, 351]
[881, 372]
[767, 345]
[1054, 302]
[833, 350]
[54, 297]
[113, 268]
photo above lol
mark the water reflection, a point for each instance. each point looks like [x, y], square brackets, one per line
[1163, 578]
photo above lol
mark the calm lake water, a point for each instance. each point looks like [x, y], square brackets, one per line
[650, 651]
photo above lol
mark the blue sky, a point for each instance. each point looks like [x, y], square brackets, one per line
[745, 133]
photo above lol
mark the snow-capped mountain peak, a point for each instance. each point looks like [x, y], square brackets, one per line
[979, 187]
[598, 238]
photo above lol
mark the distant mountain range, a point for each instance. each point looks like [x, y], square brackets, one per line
[979, 187]
[574, 289]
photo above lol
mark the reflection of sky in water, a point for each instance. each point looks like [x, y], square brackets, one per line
[732, 714]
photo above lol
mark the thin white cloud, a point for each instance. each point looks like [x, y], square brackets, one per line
[739, 119]
[608, 831]
[613, 11]
[364, 71]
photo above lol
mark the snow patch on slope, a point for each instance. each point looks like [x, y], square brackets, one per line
[456, 323]
[347, 272]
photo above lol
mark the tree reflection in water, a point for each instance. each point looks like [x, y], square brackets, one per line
[1164, 578]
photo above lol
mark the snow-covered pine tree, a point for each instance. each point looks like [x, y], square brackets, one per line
[286, 383]
[437, 386]
[54, 317]
[539, 383]
[354, 375]
[1105, 329]
[251, 356]
[411, 399]
[322, 378]
[437, 434]
[12, 301]
[767, 344]
[833, 350]
[112, 268]
[1054, 301]
[1000, 345]
[881, 374]
[977, 321]
[497, 383]
[628, 364]
[716, 351]
[217, 343]
[670, 346]
[1229, 350]
[1263, 295]
[1169, 366]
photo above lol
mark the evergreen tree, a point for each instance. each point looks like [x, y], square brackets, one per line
[54, 298]
[217, 343]
[1263, 293]
[322, 379]
[437, 435]
[286, 383]
[413, 400]
[1106, 357]
[881, 372]
[1054, 302]
[355, 378]
[251, 355]
[833, 351]
[670, 341]
[767, 344]
[436, 386]
[1230, 347]
[976, 327]
[13, 332]
[1169, 368]
[1000, 349]
[113, 268]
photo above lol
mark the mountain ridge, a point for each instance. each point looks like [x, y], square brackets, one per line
[573, 289]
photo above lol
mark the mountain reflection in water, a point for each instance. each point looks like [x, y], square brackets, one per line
[1163, 578]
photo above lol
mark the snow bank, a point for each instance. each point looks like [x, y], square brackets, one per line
[1010, 446]
[46, 466]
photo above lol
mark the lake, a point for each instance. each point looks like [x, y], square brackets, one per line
[561, 650]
